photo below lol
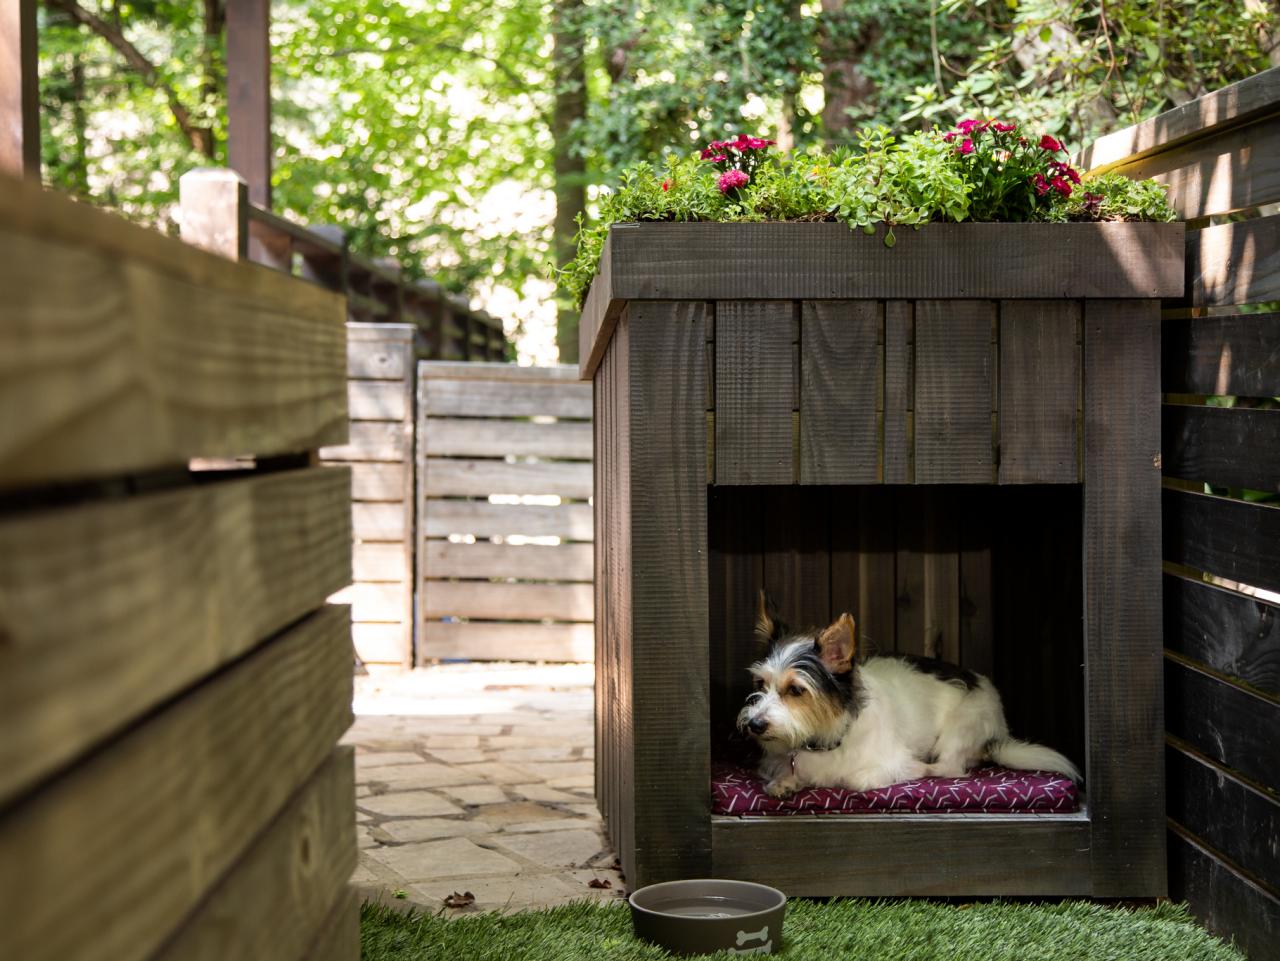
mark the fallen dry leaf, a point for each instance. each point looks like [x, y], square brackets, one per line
[600, 883]
[457, 900]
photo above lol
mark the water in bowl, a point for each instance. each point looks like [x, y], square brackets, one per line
[707, 907]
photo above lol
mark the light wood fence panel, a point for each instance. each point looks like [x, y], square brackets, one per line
[504, 515]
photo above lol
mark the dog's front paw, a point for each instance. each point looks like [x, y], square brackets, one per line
[782, 787]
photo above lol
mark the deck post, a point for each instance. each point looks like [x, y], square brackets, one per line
[215, 209]
[249, 95]
[19, 90]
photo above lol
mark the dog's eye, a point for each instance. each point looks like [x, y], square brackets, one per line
[758, 683]
[795, 690]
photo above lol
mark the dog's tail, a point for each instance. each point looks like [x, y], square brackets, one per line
[1025, 756]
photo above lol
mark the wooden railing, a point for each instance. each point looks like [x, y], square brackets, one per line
[218, 216]
[1220, 158]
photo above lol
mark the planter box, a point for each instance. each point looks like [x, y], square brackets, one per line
[957, 440]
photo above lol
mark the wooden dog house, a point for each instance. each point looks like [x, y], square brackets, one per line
[956, 439]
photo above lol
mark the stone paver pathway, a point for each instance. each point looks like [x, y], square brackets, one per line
[479, 778]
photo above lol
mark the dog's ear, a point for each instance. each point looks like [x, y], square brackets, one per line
[769, 626]
[837, 643]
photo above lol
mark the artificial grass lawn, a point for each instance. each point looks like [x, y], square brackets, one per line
[858, 930]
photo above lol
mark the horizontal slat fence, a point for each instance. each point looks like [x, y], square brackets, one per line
[504, 518]
[1220, 157]
[172, 684]
[380, 369]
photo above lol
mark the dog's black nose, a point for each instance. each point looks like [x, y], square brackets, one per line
[758, 725]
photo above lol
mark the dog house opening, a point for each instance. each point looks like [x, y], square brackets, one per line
[987, 579]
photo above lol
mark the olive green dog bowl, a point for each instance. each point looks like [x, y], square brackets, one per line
[705, 915]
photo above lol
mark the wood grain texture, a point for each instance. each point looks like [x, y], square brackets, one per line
[1226, 722]
[137, 836]
[1232, 633]
[482, 519]
[481, 398]
[954, 374]
[1236, 263]
[1237, 355]
[373, 441]
[1039, 391]
[379, 521]
[1230, 816]
[735, 577]
[899, 392]
[1232, 105]
[905, 855]
[1232, 539]
[509, 602]
[1225, 447]
[454, 476]
[275, 901]
[466, 437]
[503, 372]
[120, 366]
[841, 391]
[339, 937]
[977, 616]
[1225, 901]
[668, 550]
[167, 588]
[1124, 761]
[506, 641]
[877, 608]
[377, 481]
[560, 562]
[376, 399]
[755, 391]
[795, 548]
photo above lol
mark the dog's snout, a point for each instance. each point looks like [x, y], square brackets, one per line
[758, 725]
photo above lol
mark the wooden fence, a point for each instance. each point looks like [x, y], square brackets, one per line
[1220, 157]
[171, 684]
[504, 522]
[380, 368]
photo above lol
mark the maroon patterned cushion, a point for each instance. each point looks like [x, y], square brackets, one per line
[737, 790]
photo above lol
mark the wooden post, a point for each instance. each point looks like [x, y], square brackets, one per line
[249, 95]
[19, 90]
[215, 208]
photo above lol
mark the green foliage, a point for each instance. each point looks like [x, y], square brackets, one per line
[903, 930]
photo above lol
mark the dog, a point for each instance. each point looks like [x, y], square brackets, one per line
[825, 719]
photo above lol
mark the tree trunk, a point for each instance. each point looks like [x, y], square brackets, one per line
[843, 84]
[211, 79]
[570, 172]
[78, 174]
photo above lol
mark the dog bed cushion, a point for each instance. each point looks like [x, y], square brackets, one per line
[737, 790]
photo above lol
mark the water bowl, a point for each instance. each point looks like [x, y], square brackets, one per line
[704, 915]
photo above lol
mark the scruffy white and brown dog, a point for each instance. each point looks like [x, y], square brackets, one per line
[825, 719]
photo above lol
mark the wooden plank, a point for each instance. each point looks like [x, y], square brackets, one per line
[734, 579]
[481, 519]
[904, 855]
[666, 513]
[1229, 904]
[600, 313]
[1231, 633]
[1236, 104]
[507, 602]
[378, 360]
[379, 602]
[927, 574]
[339, 938]
[1237, 355]
[1226, 447]
[276, 900]
[1229, 815]
[1039, 391]
[497, 641]
[1220, 173]
[1236, 263]
[379, 522]
[562, 562]
[977, 599]
[796, 546]
[378, 562]
[877, 611]
[115, 836]
[1229, 538]
[371, 481]
[167, 588]
[448, 398]
[755, 391]
[899, 391]
[841, 391]
[249, 149]
[954, 362]
[507, 373]
[377, 399]
[383, 643]
[451, 477]
[494, 438]
[1226, 722]
[125, 357]
[1122, 597]
[373, 441]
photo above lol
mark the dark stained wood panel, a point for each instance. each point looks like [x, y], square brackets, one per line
[1225, 722]
[841, 393]
[954, 373]
[899, 391]
[1039, 391]
[1237, 263]
[1226, 902]
[755, 391]
[796, 543]
[1122, 595]
[1237, 355]
[1226, 447]
[1232, 633]
[1230, 538]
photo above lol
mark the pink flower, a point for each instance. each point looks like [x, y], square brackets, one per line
[1041, 185]
[968, 126]
[1060, 185]
[666, 185]
[966, 146]
[732, 180]
[1004, 127]
[1049, 144]
[948, 137]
